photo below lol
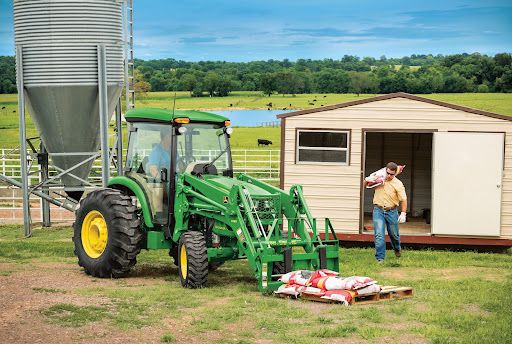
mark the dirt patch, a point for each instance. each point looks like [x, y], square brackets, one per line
[405, 338]
[399, 326]
[450, 274]
[31, 288]
[476, 309]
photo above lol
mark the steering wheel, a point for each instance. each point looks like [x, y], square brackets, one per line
[182, 163]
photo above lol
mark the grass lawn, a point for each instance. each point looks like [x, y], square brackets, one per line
[460, 297]
[495, 102]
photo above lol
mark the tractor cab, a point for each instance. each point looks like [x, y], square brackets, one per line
[164, 144]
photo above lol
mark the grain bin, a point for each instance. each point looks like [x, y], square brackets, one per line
[59, 40]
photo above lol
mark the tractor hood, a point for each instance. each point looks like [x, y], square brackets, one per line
[227, 183]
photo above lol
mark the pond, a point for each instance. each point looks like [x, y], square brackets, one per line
[251, 118]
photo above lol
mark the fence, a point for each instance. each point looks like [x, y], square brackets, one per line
[273, 124]
[260, 163]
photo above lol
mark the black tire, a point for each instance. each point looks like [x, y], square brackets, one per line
[118, 254]
[193, 260]
[212, 266]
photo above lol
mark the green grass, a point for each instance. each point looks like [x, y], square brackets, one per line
[74, 316]
[49, 290]
[495, 102]
[168, 338]
[461, 297]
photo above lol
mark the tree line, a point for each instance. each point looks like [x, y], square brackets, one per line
[350, 74]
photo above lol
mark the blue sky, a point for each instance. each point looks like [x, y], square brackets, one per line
[245, 30]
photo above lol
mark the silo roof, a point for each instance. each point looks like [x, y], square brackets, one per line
[167, 116]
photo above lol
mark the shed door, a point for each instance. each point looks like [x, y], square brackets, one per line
[466, 183]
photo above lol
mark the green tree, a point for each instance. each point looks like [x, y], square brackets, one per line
[267, 83]
[210, 83]
[361, 82]
[188, 82]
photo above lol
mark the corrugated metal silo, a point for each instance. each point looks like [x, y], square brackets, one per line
[59, 40]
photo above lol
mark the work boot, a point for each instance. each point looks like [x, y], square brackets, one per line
[398, 253]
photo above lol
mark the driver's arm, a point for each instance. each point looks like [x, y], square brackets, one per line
[153, 171]
[153, 160]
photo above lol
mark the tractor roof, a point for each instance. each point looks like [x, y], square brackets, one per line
[167, 116]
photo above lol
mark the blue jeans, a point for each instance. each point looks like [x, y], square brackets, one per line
[381, 220]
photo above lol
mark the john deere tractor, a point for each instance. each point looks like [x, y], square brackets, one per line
[178, 193]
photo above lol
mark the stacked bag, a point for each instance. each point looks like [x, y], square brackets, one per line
[327, 285]
[378, 177]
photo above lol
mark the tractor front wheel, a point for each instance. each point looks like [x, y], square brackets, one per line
[106, 234]
[193, 260]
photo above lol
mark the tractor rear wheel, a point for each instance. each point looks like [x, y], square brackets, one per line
[193, 260]
[106, 234]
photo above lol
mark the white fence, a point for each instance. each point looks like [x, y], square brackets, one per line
[260, 163]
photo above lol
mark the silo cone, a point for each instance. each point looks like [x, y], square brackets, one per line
[59, 40]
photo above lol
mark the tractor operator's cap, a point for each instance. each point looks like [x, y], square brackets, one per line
[227, 123]
[182, 120]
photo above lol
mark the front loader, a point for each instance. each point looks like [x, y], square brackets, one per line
[178, 193]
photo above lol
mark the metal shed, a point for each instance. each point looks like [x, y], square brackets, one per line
[458, 174]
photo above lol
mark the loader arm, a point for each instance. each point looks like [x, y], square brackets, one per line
[255, 221]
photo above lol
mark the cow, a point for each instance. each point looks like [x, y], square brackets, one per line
[264, 142]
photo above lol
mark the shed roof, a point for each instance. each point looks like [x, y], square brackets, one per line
[396, 95]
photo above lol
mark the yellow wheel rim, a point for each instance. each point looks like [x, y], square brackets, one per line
[183, 262]
[94, 234]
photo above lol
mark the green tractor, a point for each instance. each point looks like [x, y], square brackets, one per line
[178, 193]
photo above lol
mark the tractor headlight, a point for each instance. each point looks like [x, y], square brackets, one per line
[182, 130]
[229, 131]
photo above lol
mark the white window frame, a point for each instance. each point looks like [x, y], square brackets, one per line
[297, 148]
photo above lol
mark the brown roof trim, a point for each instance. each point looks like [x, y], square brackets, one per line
[281, 155]
[396, 95]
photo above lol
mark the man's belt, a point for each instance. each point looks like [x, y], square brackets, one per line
[385, 208]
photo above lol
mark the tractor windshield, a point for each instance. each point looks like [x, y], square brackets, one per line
[204, 145]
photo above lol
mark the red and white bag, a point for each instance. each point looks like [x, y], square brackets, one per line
[378, 177]
[343, 296]
[371, 289]
[290, 289]
[300, 277]
[357, 282]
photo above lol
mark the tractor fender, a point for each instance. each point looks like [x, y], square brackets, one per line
[134, 187]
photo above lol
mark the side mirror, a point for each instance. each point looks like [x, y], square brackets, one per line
[163, 175]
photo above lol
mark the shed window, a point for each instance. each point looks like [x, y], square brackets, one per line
[329, 147]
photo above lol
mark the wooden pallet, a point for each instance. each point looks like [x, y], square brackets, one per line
[387, 293]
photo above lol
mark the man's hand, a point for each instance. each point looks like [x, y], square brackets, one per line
[402, 217]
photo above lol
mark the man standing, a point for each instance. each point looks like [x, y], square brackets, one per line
[386, 200]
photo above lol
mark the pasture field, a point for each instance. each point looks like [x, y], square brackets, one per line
[460, 297]
[495, 102]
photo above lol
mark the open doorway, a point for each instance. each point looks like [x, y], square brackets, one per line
[405, 148]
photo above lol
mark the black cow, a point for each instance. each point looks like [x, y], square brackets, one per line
[264, 142]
